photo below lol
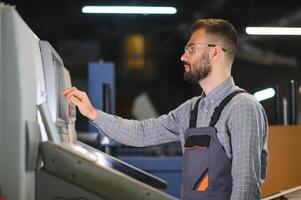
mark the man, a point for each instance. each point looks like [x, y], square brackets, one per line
[223, 132]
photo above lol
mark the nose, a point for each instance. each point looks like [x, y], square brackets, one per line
[184, 57]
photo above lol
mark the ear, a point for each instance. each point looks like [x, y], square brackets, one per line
[215, 53]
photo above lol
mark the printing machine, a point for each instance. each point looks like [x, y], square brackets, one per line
[40, 156]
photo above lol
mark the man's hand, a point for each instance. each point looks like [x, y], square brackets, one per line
[81, 100]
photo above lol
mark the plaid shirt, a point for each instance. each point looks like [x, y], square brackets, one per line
[243, 118]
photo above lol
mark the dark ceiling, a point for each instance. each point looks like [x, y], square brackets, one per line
[262, 61]
[60, 19]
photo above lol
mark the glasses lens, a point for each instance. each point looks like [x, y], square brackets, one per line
[189, 49]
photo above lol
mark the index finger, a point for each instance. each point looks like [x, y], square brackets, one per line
[76, 93]
[66, 91]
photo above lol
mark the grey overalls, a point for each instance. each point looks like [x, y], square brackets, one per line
[207, 169]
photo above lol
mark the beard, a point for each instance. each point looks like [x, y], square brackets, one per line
[202, 68]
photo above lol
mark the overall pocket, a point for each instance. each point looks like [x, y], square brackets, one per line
[196, 163]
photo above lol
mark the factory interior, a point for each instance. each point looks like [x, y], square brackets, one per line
[129, 65]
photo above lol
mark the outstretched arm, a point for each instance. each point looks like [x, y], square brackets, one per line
[130, 132]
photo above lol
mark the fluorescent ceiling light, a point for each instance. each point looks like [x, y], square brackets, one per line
[273, 30]
[129, 9]
[264, 94]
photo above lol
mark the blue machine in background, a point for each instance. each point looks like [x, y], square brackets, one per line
[101, 89]
[100, 76]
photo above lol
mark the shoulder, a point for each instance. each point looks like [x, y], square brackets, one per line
[245, 99]
[246, 113]
[246, 104]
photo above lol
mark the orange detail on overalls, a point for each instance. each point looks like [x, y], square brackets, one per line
[203, 185]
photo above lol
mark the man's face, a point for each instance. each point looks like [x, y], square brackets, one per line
[196, 58]
[198, 69]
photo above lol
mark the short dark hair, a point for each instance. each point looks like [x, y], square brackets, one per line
[222, 29]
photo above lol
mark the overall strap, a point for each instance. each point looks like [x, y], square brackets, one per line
[194, 114]
[218, 110]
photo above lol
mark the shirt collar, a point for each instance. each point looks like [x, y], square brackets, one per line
[219, 92]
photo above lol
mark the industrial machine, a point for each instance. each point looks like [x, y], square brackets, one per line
[40, 156]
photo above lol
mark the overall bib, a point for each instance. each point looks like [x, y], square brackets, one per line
[207, 169]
